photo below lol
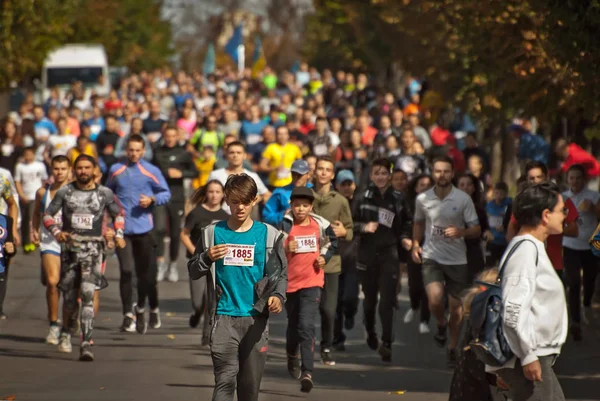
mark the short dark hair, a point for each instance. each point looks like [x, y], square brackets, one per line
[399, 170]
[382, 162]
[536, 164]
[136, 138]
[501, 186]
[237, 143]
[29, 149]
[327, 159]
[84, 157]
[530, 203]
[443, 159]
[241, 187]
[170, 127]
[577, 167]
[60, 159]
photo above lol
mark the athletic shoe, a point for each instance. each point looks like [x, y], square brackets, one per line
[195, 319]
[372, 341]
[173, 275]
[349, 323]
[3, 316]
[162, 270]
[409, 315]
[140, 321]
[53, 334]
[128, 324]
[293, 365]
[85, 353]
[424, 328]
[385, 351]
[64, 344]
[451, 358]
[154, 319]
[326, 357]
[441, 336]
[306, 383]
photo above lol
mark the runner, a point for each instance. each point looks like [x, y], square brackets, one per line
[208, 202]
[8, 195]
[83, 203]
[310, 244]
[440, 215]
[246, 269]
[382, 221]
[50, 249]
[139, 186]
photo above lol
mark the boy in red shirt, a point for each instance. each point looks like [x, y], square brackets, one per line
[309, 245]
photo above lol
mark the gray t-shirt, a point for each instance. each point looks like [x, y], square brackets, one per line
[586, 222]
[456, 209]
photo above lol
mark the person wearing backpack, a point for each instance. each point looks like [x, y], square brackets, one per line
[534, 309]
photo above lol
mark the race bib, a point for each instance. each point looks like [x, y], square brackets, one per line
[321, 150]
[495, 221]
[306, 243]
[283, 173]
[252, 139]
[437, 231]
[58, 220]
[95, 128]
[386, 217]
[82, 221]
[239, 255]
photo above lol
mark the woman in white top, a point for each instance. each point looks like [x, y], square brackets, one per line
[534, 309]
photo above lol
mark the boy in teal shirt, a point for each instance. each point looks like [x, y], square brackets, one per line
[247, 279]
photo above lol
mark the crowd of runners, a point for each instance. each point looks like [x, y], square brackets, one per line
[299, 191]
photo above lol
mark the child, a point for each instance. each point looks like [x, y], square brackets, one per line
[208, 208]
[399, 181]
[246, 270]
[205, 166]
[7, 251]
[498, 211]
[310, 244]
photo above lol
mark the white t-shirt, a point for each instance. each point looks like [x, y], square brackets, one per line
[30, 175]
[586, 222]
[457, 210]
[60, 144]
[221, 175]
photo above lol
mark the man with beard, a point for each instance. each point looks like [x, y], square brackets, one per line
[82, 204]
[441, 214]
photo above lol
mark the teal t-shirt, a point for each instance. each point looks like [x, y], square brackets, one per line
[236, 281]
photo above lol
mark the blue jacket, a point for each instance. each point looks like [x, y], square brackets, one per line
[278, 204]
[130, 180]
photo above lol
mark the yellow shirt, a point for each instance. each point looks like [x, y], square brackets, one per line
[205, 167]
[281, 158]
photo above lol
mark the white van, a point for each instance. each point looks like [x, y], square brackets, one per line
[76, 62]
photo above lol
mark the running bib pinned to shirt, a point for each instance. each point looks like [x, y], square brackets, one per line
[283, 173]
[438, 231]
[386, 217]
[495, 221]
[321, 149]
[82, 221]
[239, 255]
[306, 243]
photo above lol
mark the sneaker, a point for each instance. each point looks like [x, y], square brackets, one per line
[441, 336]
[64, 343]
[53, 334]
[128, 324]
[154, 319]
[306, 383]
[162, 270]
[372, 341]
[173, 275]
[3, 316]
[293, 365]
[409, 315]
[349, 323]
[85, 353]
[326, 357]
[140, 321]
[451, 358]
[576, 332]
[385, 351]
[195, 320]
[424, 328]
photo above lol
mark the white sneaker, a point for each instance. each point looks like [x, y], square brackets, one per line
[53, 334]
[162, 270]
[409, 316]
[65, 343]
[423, 328]
[173, 273]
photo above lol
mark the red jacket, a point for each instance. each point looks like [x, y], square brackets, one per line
[576, 155]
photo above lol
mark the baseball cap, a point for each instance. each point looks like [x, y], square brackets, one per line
[344, 175]
[302, 192]
[300, 167]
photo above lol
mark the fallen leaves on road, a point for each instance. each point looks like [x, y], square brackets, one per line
[102, 388]
[171, 314]
[9, 398]
[171, 336]
[400, 392]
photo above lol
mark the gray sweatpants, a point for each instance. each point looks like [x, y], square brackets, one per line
[238, 347]
[522, 389]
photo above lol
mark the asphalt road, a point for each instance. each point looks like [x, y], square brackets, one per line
[169, 364]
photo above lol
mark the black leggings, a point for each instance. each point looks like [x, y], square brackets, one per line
[416, 291]
[3, 284]
[575, 261]
[170, 213]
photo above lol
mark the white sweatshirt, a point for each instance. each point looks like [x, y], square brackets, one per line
[534, 308]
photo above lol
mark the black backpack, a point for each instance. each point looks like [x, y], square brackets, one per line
[489, 344]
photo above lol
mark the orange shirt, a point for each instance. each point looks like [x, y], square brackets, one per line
[301, 270]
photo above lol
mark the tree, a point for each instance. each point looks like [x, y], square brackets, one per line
[28, 30]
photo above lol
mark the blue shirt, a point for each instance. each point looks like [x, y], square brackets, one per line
[251, 133]
[237, 282]
[533, 147]
[496, 214]
[96, 127]
[44, 128]
[278, 204]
